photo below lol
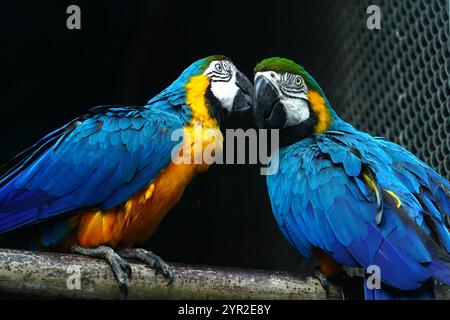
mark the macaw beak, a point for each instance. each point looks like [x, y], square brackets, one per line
[268, 111]
[241, 111]
[243, 100]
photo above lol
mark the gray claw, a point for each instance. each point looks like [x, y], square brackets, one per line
[319, 275]
[169, 276]
[123, 285]
[151, 259]
[120, 268]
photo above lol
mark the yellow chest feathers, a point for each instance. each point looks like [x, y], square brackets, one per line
[195, 98]
[318, 104]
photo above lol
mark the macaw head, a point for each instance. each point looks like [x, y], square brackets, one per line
[286, 97]
[229, 91]
[211, 89]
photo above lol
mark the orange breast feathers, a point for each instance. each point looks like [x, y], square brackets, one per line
[136, 219]
[327, 264]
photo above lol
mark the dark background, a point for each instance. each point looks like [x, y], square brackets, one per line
[392, 82]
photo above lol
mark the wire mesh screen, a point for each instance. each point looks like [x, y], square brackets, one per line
[392, 82]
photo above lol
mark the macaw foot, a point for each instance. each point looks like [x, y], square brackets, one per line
[319, 275]
[338, 279]
[151, 259]
[120, 268]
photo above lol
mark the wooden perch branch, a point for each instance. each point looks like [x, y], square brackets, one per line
[46, 275]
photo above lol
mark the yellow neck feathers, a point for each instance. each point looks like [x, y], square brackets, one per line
[195, 98]
[319, 106]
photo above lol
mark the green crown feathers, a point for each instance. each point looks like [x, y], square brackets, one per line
[216, 57]
[280, 65]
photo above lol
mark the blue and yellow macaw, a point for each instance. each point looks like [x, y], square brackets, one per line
[347, 197]
[105, 180]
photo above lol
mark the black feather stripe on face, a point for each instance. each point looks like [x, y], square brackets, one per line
[215, 109]
[223, 75]
[305, 129]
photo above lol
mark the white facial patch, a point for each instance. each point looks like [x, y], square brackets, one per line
[297, 111]
[223, 82]
[296, 108]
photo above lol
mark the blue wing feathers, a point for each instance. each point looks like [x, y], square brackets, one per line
[330, 207]
[99, 160]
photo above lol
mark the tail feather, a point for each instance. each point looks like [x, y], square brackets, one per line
[426, 292]
[440, 271]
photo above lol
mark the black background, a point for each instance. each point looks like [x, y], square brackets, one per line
[125, 53]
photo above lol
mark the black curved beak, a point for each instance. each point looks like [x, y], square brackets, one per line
[268, 111]
[241, 111]
[243, 99]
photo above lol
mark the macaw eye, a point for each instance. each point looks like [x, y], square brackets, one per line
[219, 67]
[298, 81]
